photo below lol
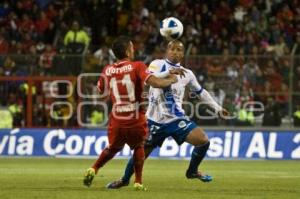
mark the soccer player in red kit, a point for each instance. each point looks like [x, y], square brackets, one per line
[124, 82]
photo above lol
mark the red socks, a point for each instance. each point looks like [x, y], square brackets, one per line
[139, 157]
[106, 155]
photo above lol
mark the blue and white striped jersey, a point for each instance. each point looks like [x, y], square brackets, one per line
[165, 105]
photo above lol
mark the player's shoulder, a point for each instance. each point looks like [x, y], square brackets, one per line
[158, 61]
[189, 71]
[156, 64]
[105, 68]
[136, 64]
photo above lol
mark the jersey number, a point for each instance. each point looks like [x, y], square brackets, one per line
[129, 87]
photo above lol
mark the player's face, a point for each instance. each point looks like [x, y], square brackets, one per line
[175, 52]
[130, 51]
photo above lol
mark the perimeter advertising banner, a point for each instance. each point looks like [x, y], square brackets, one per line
[90, 142]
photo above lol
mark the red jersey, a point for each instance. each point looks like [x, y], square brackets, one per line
[124, 83]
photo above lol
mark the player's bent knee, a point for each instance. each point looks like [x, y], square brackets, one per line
[197, 137]
[205, 139]
[202, 141]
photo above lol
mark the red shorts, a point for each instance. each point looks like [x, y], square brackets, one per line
[119, 135]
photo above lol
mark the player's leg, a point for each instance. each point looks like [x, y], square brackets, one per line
[130, 165]
[139, 158]
[124, 181]
[155, 138]
[135, 138]
[116, 143]
[106, 155]
[187, 131]
[199, 139]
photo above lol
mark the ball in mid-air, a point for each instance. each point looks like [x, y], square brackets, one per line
[171, 28]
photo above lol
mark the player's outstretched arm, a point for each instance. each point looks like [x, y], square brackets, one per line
[207, 98]
[161, 83]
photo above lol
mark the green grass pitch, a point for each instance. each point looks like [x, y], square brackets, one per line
[62, 178]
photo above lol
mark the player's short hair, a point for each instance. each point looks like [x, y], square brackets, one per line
[175, 41]
[120, 46]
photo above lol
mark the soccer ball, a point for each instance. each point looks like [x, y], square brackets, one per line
[171, 28]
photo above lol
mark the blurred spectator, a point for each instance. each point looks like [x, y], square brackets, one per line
[272, 115]
[273, 76]
[61, 116]
[215, 69]
[42, 23]
[9, 66]
[296, 116]
[230, 106]
[6, 118]
[31, 60]
[97, 118]
[284, 69]
[233, 70]
[217, 49]
[16, 110]
[46, 60]
[4, 46]
[27, 42]
[239, 14]
[40, 47]
[26, 24]
[92, 64]
[57, 117]
[223, 11]
[60, 59]
[76, 42]
[243, 97]
[279, 49]
[245, 116]
[4, 9]
[215, 25]
[209, 84]
[141, 54]
[239, 38]
[250, 70]
[39, 112]
[105, 56]
[51, 12]
[282, 98]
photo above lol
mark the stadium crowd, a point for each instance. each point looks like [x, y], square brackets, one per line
[241, 50]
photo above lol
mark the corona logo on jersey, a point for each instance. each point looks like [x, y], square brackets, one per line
[224, 144]
[114, 70]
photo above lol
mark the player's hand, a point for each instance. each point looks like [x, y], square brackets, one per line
[173, 78]
[224, 114]
[178, 71]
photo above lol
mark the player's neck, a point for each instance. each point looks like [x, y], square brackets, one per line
[120, 61]
[172, 63]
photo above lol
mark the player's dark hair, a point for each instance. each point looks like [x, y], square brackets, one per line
[120, 46]
[175, 41]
